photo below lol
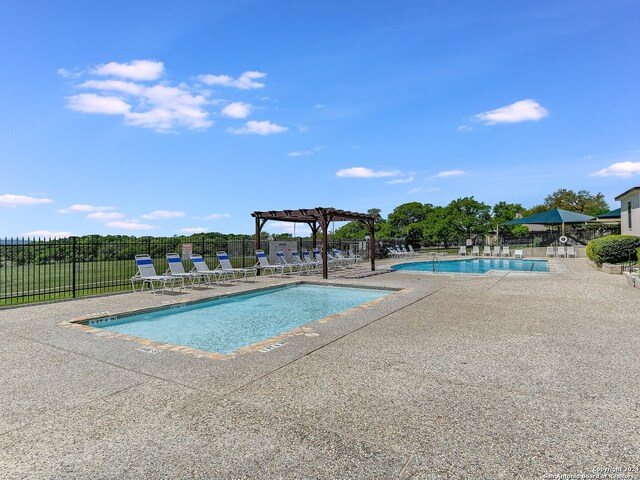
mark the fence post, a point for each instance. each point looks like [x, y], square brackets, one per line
[73, 274]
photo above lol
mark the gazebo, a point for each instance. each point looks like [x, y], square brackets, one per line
[557, 216]
[319, 218]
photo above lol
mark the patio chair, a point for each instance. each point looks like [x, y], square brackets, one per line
[561, 252]
[296, 260]
[571, 252]
[412, 251]
[357, 258]
[551, 252]
[475, 251]
[200, 266]
[496, 251]
[518, 254]
[346, 261]
[393, 253]
[263, 264]
[282, 261]
[147, 275]
[486, 251]
[317, 260]
[225, 266]
[176, 269]
[505, 251]
[462, 250]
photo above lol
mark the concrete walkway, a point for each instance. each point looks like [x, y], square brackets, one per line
[506, 375]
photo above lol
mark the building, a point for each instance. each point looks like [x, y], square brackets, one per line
[630, 211]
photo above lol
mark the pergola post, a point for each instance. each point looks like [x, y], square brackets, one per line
[324, 225]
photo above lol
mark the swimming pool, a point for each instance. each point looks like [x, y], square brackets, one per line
[226, 324]
[475, 265]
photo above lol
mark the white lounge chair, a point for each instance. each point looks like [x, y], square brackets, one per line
[282, 261]
[393, 253]
[462, 250]
[518, 254]
[346, 261]
[475, 251]
[263, 264]
[551, 252]
[147, 275]
[355, 256]
[496, 251]
[486, 251]
[561, 252]
[295, 260]
[505, 251]
[200, 266]
[571, 252]
[226, 267]
[412, 251]
[176, 269]
[312, 262]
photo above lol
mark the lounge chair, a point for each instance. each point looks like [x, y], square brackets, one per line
[571, 252]
[263, 264]
[226, 267]
[357, 258]
[312, 263]
[176, 269]
[561, 252]
[302, 265]
[200, 266]
[282, 261]
[462, 250]
[412, 251]
[496, 251]
[518, 254]
[505, 251]
[475, 251]
[147, 274]
[551, 252]
[393, 253]
[486, 251]
[346, 261]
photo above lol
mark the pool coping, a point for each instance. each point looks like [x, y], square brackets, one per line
[153, 346]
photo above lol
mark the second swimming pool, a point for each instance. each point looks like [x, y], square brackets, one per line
[226, 324]
[475, 265]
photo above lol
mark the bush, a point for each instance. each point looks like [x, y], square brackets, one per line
[613, 249]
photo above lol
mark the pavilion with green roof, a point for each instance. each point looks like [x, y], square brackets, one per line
[557, 216]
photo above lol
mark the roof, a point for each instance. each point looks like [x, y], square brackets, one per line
[313, 215]
[552, 217]
[611, 214]
[626, 193]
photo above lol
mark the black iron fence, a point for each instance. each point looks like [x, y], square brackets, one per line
[34, 270]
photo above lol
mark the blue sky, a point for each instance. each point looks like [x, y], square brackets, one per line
[164, 118]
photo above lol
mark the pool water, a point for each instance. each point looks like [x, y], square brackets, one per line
[226, 324]
[475, 265]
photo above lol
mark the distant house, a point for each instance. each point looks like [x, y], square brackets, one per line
[630, 211]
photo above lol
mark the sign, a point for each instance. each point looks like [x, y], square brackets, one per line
[187, 250]
[469, 242]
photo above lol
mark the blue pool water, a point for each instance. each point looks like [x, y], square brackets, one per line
[226, 324]
[476, 265]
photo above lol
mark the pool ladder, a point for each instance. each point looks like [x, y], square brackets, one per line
[434, 261]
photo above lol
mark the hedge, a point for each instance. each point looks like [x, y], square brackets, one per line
[613, 249]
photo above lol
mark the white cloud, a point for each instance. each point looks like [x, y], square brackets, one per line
[520, 111]
[162, 214]
[130, 225]
[78, 207]
[254, 127]
[464, 128]
[11, 200]
[362, 172]
[237, 110]
[397, 181]
[92, 103]
[245, 81]
[299, 230]
[63, 72]
[620, 169]
[121, 86]
[135, 70]
[304, 153]
[104, 216]
[449, 173]
[47, 234]
[193, 230]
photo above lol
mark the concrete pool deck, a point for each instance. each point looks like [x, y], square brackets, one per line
[507, 375]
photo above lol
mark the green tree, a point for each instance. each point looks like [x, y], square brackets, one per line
[582, 202]
[408, 214]
[503, 212]
[469, 218]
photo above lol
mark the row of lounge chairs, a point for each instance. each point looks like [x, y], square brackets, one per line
[488, 252]
[402, 251]
[561, 252]
[177, 276]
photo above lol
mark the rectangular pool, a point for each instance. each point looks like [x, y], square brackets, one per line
[226, 324]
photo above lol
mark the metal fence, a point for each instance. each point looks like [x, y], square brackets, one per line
[34, 270]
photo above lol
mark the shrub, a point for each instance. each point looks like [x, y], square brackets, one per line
[613, 249]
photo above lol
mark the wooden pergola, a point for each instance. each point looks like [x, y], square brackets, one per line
[319, 219]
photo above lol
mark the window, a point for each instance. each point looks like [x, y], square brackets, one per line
[629, 214]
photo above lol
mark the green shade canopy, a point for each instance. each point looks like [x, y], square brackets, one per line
[556, 216]
[611, 214]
